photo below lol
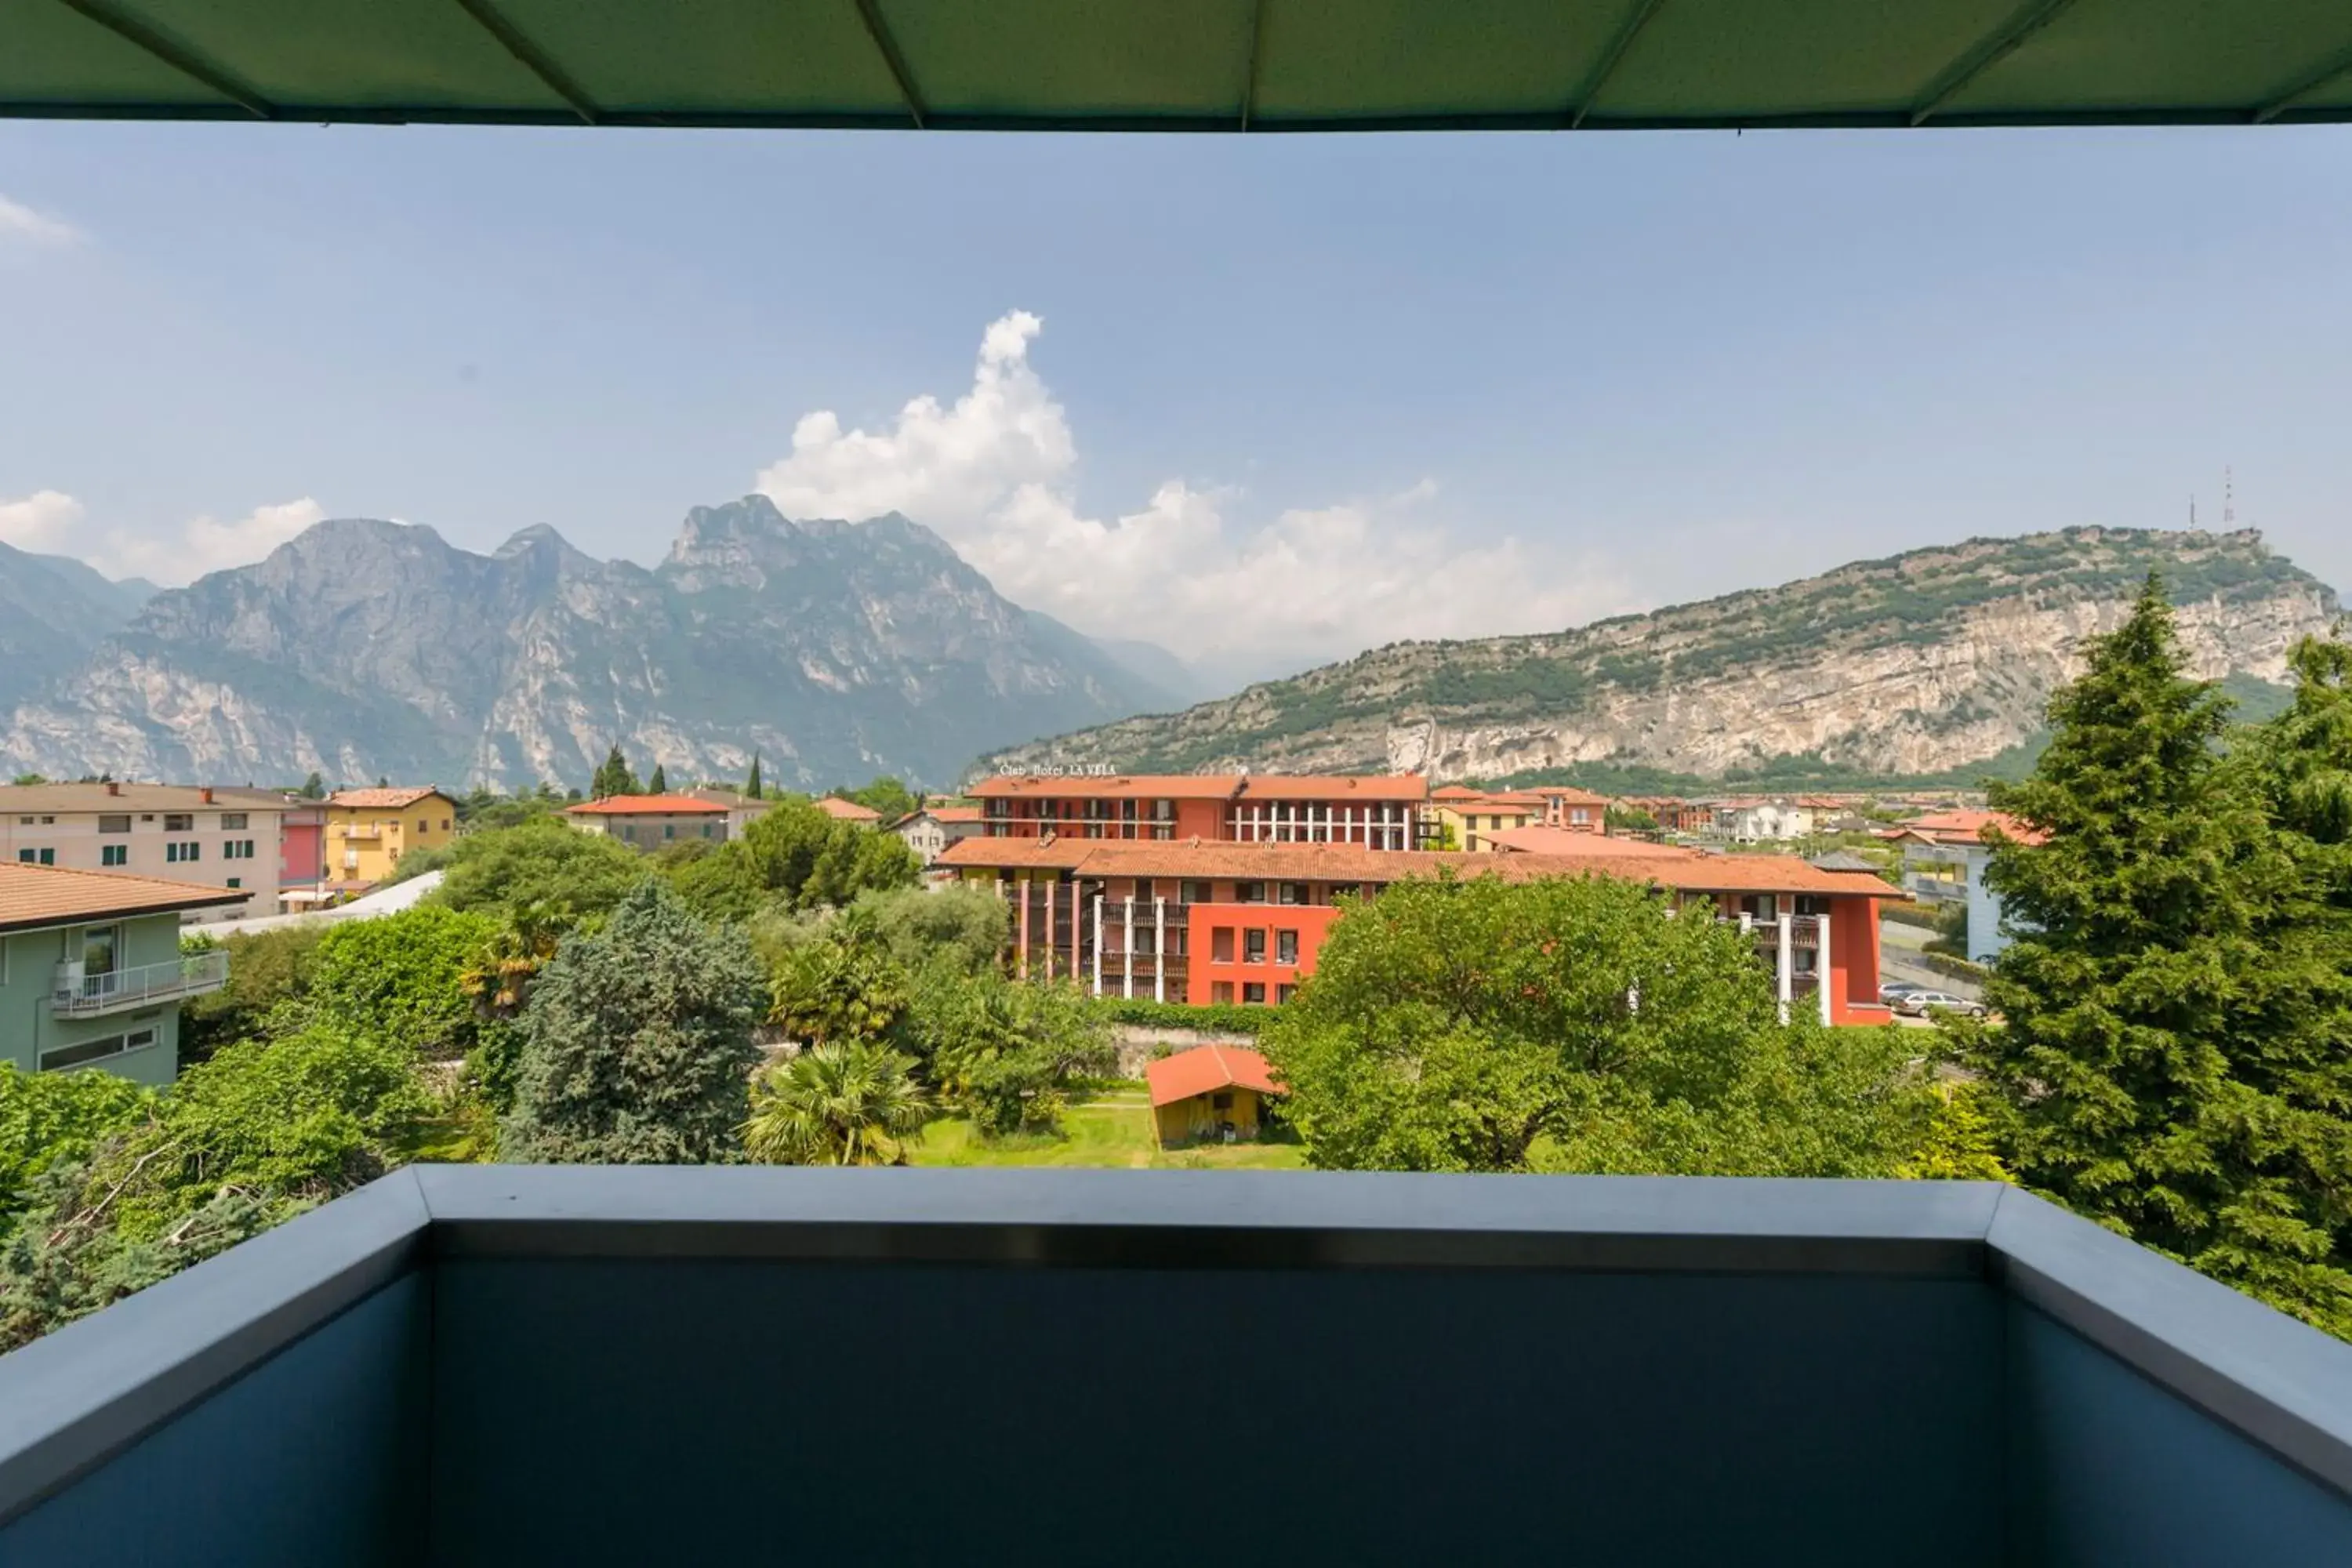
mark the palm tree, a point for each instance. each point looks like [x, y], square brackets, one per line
[850, 1104]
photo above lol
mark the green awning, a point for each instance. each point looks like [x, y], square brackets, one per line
[1185, 65]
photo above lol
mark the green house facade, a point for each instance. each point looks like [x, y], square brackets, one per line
[91, 974]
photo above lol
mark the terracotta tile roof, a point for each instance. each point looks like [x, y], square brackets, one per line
[1570, 795]
[1090, 787]
[842, 810]
[1204, 1070]
[35, 896]
[1682, 869]
[51, 798]
[391, 799]
[647, 806]
[1454, 792]
[1968, 828]
[1335, 786]
[1590, 846]
[1206, 787]
[954, 813]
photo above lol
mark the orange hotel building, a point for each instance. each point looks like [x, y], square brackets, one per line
[1201, 921]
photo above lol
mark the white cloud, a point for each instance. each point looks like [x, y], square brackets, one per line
[42, 522]
[19, 222]
[50, 522]
[993, 473]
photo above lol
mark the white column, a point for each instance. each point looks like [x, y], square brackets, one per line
[1159, 949]
[1126, 957]
[1821, 964]
[1097, 944]
[1787, 964]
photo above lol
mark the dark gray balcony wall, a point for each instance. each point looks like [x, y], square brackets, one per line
[315, 1457]
[2110, 1470]
[602, 1411]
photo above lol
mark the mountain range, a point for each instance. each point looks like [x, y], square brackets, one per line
[363, 648]
[1925, 663]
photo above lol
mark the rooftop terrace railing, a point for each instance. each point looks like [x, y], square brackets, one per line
[593, 1365]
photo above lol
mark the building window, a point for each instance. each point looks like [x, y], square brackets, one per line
[706, 830]
[97, 1050]
[1143, 889]
[1221, 945]
[1178, 942]
[1254, 994]
[114, 824]
[1294, 892]
[1285, 993]
[179, 821]
[444, 825]
[237, 881]
[114, 853]
[183, 854]
[1285, 947]
[669, 830]
[1222, 993]
[1580, 815]
[237, 849]
[1192, 893]
[1253, 947]
[37, 857]
[1249, 892]
[1222, 1101]
[422, 826]
[232, 819]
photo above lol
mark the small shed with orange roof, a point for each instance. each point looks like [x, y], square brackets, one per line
[1209, 1092]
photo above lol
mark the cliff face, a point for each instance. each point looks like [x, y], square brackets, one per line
[364, 647]
[1917, 664]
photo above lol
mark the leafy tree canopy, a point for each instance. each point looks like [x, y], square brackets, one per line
[1576, 1026]
[567, 875]
[400, 977]
[886, 795]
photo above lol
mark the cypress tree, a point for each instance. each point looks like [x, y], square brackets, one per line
[752, 784]
[2172, 1061]
[659, 783]
[613, 776]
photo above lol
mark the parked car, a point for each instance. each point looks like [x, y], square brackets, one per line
[1919, 1004]
[1895, 990]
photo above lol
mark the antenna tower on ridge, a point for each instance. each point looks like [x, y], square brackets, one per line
[2229, 502]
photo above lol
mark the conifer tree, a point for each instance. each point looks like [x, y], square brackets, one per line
[2172, 1061]
[659, 783]
[613, 776]
[637, 1042]
[752, 784]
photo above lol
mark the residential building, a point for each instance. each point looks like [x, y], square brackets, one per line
[743, 810]
[1764, 819]
[1945, 854]
[367, 830]
[930, 831]
[226, 837]
[1209, 1093]
[91, 974]
[301, 849]
[650, 821]
[1375, 811]
[1468, 817]
[842, 810]
[1203, 922]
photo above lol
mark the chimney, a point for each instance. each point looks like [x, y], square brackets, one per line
[204, 796]
[112, 787]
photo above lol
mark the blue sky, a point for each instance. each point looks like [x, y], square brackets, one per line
[1281, 396]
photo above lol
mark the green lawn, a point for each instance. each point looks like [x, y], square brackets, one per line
[1110, 1129]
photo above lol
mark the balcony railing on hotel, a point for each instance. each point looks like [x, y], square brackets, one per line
[79, 994]
[591, 1365]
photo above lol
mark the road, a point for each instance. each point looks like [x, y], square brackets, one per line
[1899, 957]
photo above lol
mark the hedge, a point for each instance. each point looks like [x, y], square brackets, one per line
[1216, 1018]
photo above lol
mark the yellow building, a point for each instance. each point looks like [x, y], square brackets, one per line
[1209, 1092]
[367, 830]
[1471, 815]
